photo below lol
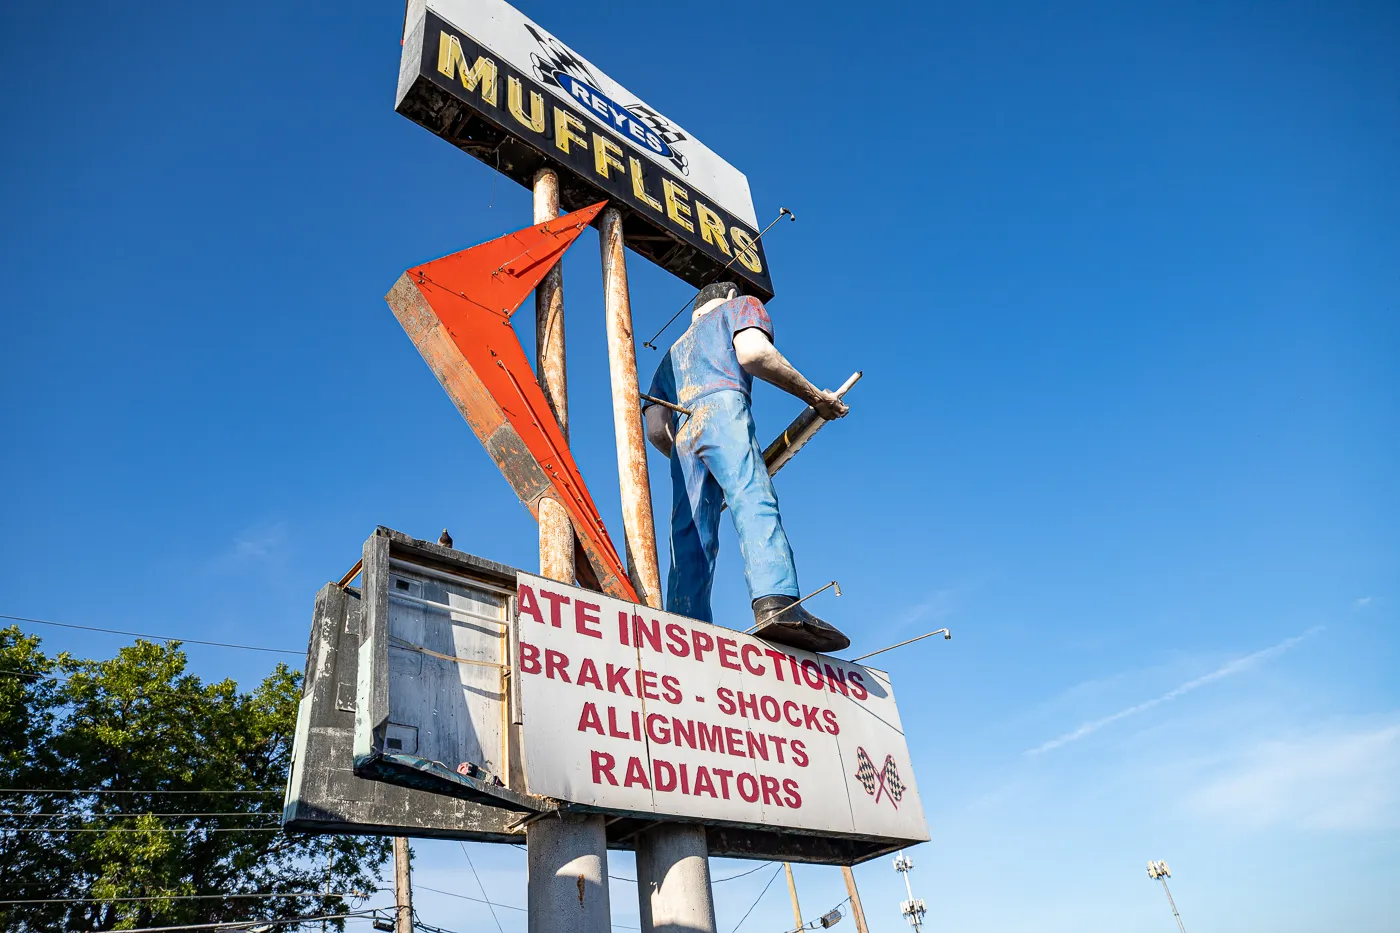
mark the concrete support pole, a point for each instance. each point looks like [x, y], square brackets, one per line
[673, 880]
[792, 890]
[403, 888]
[638, 528]
[857, 911]
[567, 858]
[556, 531]
[568, 875]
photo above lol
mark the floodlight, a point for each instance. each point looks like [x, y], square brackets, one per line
[831, 917]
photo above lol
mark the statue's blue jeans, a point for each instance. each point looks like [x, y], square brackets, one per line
[716, 459]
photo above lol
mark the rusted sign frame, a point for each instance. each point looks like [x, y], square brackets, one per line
[374, 757]
[323, 793]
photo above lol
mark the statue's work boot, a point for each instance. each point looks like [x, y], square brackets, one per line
[780, 619]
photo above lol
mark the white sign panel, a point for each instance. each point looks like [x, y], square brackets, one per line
[630, 709]
[575, 80]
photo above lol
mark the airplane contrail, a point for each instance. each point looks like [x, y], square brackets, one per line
[1233, 667]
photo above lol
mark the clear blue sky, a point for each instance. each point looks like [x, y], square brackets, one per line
[1124, 284]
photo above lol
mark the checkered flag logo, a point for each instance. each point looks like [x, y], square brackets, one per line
[893, 785]
[882, 783]
[865, 771]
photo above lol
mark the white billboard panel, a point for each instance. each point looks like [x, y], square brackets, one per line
[626, 708]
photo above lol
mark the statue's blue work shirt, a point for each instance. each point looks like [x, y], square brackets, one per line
[703, 360]
[716, 459]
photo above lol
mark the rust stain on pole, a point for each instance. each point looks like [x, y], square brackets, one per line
[556, 531]
[638, 528]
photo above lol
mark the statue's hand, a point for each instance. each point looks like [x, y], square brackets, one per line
[829, 406]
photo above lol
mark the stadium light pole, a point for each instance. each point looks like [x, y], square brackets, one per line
[1158, 871]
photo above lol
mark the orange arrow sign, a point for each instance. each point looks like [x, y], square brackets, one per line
[457, 311]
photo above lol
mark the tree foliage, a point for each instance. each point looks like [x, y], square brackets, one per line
[178, 794]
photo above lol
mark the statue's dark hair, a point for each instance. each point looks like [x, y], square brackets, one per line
[711, 292]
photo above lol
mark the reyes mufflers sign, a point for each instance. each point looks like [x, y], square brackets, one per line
[486, 78]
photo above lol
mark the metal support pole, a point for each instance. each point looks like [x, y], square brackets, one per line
[673, 880]
[792, 890]
[1179, 925]
[403, 888]
[568, 855]
[556, 531]
[857, 911]
[638, 528]
[673, 864]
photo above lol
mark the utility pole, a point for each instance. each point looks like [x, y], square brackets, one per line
[857, 911]
[912, 909]
[403, 888]
[673, 859]
[1159, 871]
[792, 889]
[567, 890]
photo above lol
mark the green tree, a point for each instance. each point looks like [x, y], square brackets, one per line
[185, 768]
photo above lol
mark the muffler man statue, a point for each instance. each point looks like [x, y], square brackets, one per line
[716, 459]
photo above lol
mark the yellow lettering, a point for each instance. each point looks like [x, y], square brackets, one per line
[566, 127]
[639, 190]
[675, 197]
[453, 63]
[515, 94]
[711, 227]
[744, 249]
[605, 154]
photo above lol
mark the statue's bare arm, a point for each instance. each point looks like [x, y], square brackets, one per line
[762, 360]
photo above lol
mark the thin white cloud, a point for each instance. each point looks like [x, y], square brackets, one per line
[1361, 602]
[1330, 780]
[938, 605]
[1236, 666]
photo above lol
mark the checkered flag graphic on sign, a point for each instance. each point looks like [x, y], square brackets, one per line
[865, 771]
[893, 785]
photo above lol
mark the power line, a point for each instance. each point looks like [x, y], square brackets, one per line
[420, 925]
[813, 924]
[466, 898]
[757, 899]
[102, 790]
[59, 831]
[184, 897]
[482, 886]
[30, 674]
[248, 924]
[187, 641]
[235, 813]
[742, 874]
